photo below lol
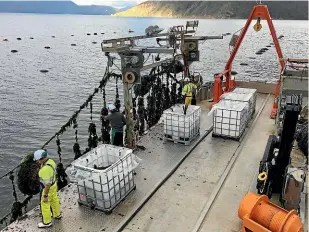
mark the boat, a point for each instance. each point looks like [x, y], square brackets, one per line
[199, 185]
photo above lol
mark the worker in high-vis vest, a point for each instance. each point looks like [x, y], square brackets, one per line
[49, 196]
[187, 91]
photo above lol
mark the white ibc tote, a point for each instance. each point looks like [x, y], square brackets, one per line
[104, 176]
[230, 118]
[179, 127]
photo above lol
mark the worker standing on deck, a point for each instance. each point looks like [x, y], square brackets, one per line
[49, 196]
[187, 91]
[117, 121]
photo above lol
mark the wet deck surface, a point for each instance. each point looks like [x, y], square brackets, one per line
[203, 194]
[223, 214]
[158, 160]
[179, 203]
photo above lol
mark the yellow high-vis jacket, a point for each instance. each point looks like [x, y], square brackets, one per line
[47, 173]
[187, 89]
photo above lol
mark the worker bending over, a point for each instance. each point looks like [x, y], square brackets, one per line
[117, 121]
[188, 90]
[49, 196]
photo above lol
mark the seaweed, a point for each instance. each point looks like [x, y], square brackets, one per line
[28, 180]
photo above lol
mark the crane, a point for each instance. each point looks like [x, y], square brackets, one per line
[260, 12]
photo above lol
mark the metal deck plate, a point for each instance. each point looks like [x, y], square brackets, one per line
[158, 160]
[178, 204]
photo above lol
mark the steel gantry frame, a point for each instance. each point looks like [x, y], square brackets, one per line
[175, 39]
[259, 12]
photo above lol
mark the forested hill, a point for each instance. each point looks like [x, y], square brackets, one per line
[294, 10]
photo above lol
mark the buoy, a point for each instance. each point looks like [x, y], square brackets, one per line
[47, 47]
[94, 42]
[43, 71]
[18, 38]
[261, 215]
[31, 38]
[5, 40]
[95, 33]
[244, 64]
[73, 44]
[14, 51]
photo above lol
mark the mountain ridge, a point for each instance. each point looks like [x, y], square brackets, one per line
[294, 10]
[55, 7]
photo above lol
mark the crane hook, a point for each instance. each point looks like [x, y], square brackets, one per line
[258, 25]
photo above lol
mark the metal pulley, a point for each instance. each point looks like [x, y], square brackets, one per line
[258, 26]
[130, 77]
[192, 46]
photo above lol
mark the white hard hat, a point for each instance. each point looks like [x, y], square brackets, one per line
[39, 154]
[187, 79]
[111, 107]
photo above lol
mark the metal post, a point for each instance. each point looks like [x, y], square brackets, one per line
[185, 56]
[130, 138]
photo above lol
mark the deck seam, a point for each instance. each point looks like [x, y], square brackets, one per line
[227, 171]
[160, 183]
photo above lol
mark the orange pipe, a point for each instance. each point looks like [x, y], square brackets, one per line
[260, 215]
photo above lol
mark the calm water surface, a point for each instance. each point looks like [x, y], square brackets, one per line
[34, 105]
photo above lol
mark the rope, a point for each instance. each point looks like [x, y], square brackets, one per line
[16, 210]
[154, 104]
[63, 128]
[76, 147]
[91, 111]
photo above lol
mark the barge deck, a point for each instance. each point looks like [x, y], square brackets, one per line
[179, 188]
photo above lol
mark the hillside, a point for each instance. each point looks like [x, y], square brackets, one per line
[53, 7]
[294, 10]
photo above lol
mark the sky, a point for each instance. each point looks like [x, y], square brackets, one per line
[106, 2]
[116, 3]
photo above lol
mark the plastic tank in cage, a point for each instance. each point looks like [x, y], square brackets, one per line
[230, 118]
[104, 176]
[246, 94]
[181, 128]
